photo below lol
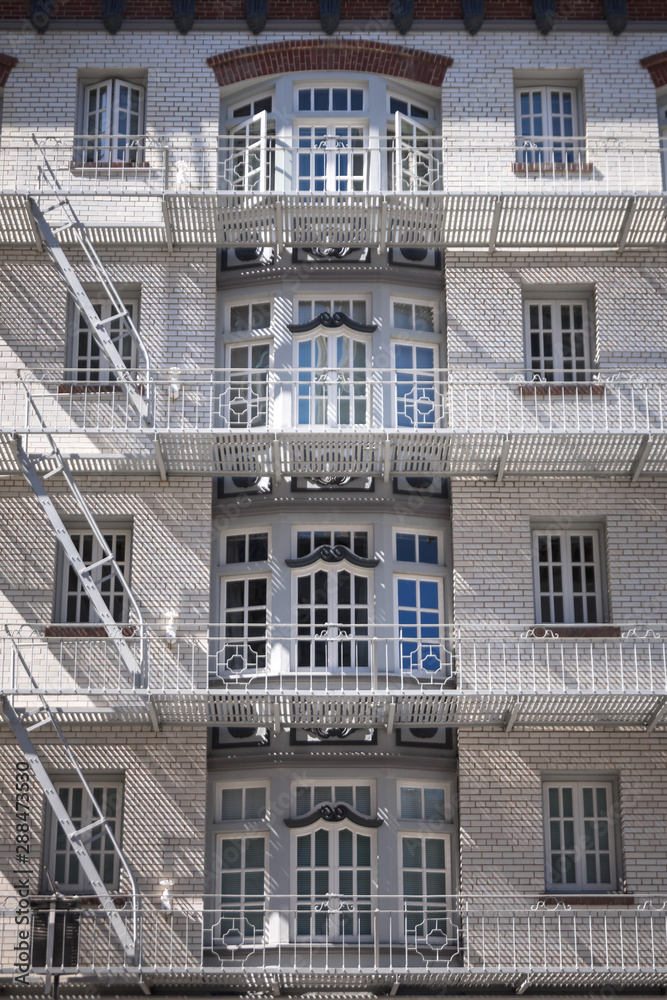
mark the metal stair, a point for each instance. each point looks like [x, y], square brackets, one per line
[78, 838]
[55, 463]
[135, 383]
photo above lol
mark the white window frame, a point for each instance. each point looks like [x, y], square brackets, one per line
[442, 920]
[331, 391]
[423, 655]
[109, 145]
[332, 529]
[244, 906]
[422, 821]
[420, 401]
[249, 822]
[579, 849]
[262, 332]
[413, 331]
[333, 783]
[597, 533]
[246, 400]
[550, 147]
[54, 834]
[83, 364]
[100, 574]
[332, 305]
[229, 648]
[561, 370]
[331, 638]
[416, 532]
[332, 917]
[234, 568]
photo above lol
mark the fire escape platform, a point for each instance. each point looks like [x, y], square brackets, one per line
[378, 454]
[557, 221]
[306, 709]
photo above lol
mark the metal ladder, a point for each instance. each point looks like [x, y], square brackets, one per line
[118, 633]
[136, 389]
[76, 837]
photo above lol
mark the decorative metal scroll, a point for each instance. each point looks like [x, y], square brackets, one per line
[330, 322]
[334, 812]
[634, 633]
[539, 632]
[333, 554]
[545, 15]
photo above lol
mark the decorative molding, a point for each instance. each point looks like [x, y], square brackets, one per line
[402, 14]
[616, 14]
[334, 813]
[545, 15]
[332, 554]
[473, 15]
[351, 55]
[329, 15]
[184, 15]
[330, 322]
[7, 64]
[41, 12]
[256, 13]
[112, 15]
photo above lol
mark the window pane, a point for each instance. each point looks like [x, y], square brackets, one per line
[405, 548]
[255, 806]
[434, 803]
[411, 803]
[232, 803]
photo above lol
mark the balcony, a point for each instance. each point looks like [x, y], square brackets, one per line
[337, 942]
[353, 422]
[340, 190]
[281, 675]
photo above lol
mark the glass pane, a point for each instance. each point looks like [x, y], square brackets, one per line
[255, 804]
[232, 803]
[411, 803]
[254, 852]
[434, 803]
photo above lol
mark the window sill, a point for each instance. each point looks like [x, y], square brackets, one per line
[115, 167]
[601, 899]
[551, 169]
[562, 389]
[576, 631]
[90, 388]
[84, 631]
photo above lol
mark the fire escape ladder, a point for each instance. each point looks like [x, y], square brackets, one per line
[118, 633]
[125, 931]
[135, 383]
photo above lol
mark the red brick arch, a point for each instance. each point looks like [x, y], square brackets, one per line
[349, 55]
[7, 64]
[657, 67]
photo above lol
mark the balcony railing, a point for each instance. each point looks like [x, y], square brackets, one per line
[336, 164]
[608, 401]
[465, 659]
[465, 940]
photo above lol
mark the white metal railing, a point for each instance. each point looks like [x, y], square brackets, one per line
[493, 937]
[633, 401]
[342, 659]
[336, 163]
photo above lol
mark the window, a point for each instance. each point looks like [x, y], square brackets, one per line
[358, 796]
[568, 576]
[250, 316]
[420, 624]
[248, 390]
[333, 380]
[413, 316]
[418, 401]
[417, 547]
[333, 609]
[61, 861]
[423, 802]
[245, 802]
[308, 541]
[579, 836]
[245, 614]
[558, 342]
[113, 123]
[248, 547]
[90, 364]
[320, 140]
[334, 876]
[425, 884]
[72, 602]
[308, 309]
[242, 868]
[548, 125]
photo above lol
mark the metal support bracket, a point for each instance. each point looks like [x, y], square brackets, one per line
[658, 716]
[641, 457]
[626, 223]
[502, 461]
[495, 222]
[511, 717]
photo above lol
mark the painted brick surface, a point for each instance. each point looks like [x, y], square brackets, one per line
[500, 803]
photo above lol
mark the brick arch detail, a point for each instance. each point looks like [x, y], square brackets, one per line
[322, 55]
[657, 67]
[7, 64]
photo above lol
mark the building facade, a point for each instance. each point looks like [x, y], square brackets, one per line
[333, 445]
